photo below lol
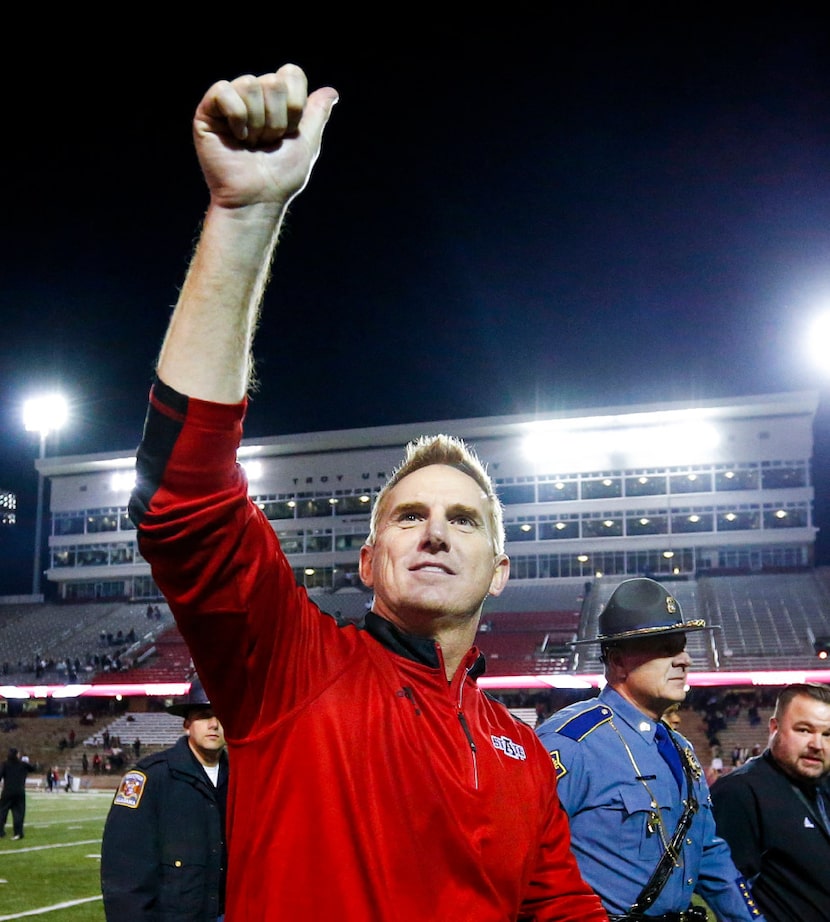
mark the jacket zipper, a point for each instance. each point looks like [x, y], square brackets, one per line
[466, 728]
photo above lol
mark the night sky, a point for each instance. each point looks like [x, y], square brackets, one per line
[566, 211]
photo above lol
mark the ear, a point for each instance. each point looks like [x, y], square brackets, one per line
[367, 553]
[501, 573]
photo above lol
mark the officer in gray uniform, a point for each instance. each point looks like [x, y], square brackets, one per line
[641, 818]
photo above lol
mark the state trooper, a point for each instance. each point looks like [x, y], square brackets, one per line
[641, 821]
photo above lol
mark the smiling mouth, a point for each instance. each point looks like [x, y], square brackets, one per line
[431, 568]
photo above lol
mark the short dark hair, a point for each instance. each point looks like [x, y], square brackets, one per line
[814, 690]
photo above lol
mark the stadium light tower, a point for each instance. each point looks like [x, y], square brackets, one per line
[42, 415]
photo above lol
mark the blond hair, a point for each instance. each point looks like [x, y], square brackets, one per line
[453, 452]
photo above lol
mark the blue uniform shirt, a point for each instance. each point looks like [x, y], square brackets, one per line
[600, 749]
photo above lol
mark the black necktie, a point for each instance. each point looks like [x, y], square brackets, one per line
[669, 752]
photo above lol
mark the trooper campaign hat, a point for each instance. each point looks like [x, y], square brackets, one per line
[196, 698]
[638, 608]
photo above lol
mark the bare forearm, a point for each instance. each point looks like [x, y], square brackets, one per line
[257, 139]
[206, 352]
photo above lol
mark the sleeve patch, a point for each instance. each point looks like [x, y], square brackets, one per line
[746, 893]
[130, 790]
[559, 768]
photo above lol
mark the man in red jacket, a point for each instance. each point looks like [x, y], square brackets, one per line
[372, 779]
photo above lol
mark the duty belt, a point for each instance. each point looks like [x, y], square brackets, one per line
[692, 914]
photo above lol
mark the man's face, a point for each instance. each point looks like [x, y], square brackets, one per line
[800, 738]
[651, 671]
[673, 719]
[207, 738]
[433, 555]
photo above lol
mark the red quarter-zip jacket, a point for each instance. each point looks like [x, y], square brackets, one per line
[364, 785]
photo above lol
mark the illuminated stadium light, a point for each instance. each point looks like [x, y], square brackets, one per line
[822, 647]
[681, 437]
[817, 339]
[253, 469]
[45, 414]
[122, 481]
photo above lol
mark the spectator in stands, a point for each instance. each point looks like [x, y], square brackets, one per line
[13, 774]
[163, 853]
[638, 803]
[544, 709]
[372, 777]
[774, 809]
[715, 768]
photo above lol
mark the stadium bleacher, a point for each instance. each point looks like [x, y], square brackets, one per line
[767, 620]
[91, 633]
[768, 623]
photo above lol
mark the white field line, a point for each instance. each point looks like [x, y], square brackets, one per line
[57, 906]
[44, 848]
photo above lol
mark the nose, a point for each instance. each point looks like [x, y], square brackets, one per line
[818, 741]
[683, 659]
[436, 534]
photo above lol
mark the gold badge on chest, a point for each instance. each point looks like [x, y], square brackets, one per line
[694, 766]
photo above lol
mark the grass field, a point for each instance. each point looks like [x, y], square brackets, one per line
[53, 872]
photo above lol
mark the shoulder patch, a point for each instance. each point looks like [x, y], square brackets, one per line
[558, 767]
[579, 726]
[130, 790]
